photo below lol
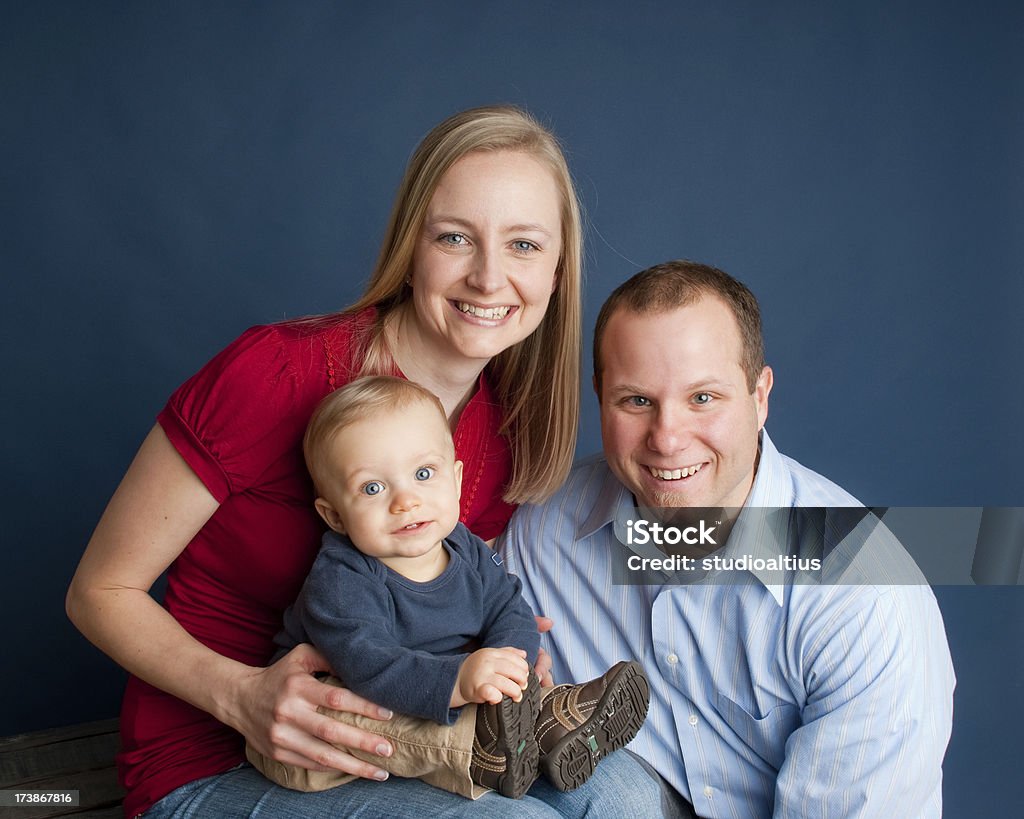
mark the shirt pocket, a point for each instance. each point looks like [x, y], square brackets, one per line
[763, 732]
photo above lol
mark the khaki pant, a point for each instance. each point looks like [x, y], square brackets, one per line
[437, 754]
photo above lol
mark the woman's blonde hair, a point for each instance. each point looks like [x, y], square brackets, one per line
[537, 380]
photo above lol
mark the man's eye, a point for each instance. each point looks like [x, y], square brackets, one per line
[638, 401]
[703, 398]
[424, 473]
[373, 488]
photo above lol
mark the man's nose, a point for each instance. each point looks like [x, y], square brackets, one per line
[669, 431]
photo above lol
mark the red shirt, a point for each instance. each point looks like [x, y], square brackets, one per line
[239, 424]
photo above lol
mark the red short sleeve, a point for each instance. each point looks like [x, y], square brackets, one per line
[232, 418]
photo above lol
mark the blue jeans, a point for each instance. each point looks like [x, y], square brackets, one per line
[619, 789]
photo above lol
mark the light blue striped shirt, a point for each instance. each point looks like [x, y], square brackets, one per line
[768, 698]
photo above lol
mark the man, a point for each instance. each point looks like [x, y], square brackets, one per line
[771, 694]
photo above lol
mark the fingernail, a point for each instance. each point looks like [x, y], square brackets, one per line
[380, 776]
[384, 749]
[385, 713]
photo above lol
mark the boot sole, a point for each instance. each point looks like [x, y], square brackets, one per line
[615, 721]
[517, 741]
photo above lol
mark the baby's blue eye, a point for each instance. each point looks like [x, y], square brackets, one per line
[424, 473]
[373, 488]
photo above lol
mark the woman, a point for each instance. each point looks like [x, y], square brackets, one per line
[476, 295]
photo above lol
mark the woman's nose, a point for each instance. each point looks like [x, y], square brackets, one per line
[487, 274]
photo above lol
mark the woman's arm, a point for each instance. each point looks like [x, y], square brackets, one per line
[155, 512]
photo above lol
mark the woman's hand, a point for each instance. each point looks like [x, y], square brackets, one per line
[278, 716]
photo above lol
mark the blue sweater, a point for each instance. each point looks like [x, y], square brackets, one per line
[400, 643]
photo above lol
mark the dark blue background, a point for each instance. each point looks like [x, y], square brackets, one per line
[173, 173]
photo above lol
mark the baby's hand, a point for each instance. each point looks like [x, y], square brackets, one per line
[489, 674]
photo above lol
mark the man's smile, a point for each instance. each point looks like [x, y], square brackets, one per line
[675, 474]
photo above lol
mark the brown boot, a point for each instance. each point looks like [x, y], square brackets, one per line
[505, 751]
[581, 724]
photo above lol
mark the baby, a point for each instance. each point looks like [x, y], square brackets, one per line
[415, 613]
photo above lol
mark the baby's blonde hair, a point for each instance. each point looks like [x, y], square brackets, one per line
[355, 401]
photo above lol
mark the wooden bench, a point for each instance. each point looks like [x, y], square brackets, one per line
[78, 757]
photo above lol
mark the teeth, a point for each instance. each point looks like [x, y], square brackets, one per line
[483, 312]
[675, 474]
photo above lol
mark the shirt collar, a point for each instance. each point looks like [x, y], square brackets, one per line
[762, 534]
[762, 529]
[612, 498]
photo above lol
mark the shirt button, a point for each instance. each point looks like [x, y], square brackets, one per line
[672, 659]
[693, 719]
[709, 791]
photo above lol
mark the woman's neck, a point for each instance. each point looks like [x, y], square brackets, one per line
[452, 378]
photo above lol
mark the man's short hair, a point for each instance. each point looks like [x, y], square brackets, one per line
[355, 401]
[670, 285]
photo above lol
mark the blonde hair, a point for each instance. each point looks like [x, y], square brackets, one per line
[354, 402]
[537, 380]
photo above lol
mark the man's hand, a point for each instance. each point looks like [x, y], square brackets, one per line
[543, 667]
[489, 674]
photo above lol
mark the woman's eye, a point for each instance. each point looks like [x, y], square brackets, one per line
[373, 488]
[454, 239]
[523, 246]
[424, 473]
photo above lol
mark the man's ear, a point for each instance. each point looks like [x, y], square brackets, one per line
[761, 391]
[457, 469]
[330, 515]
